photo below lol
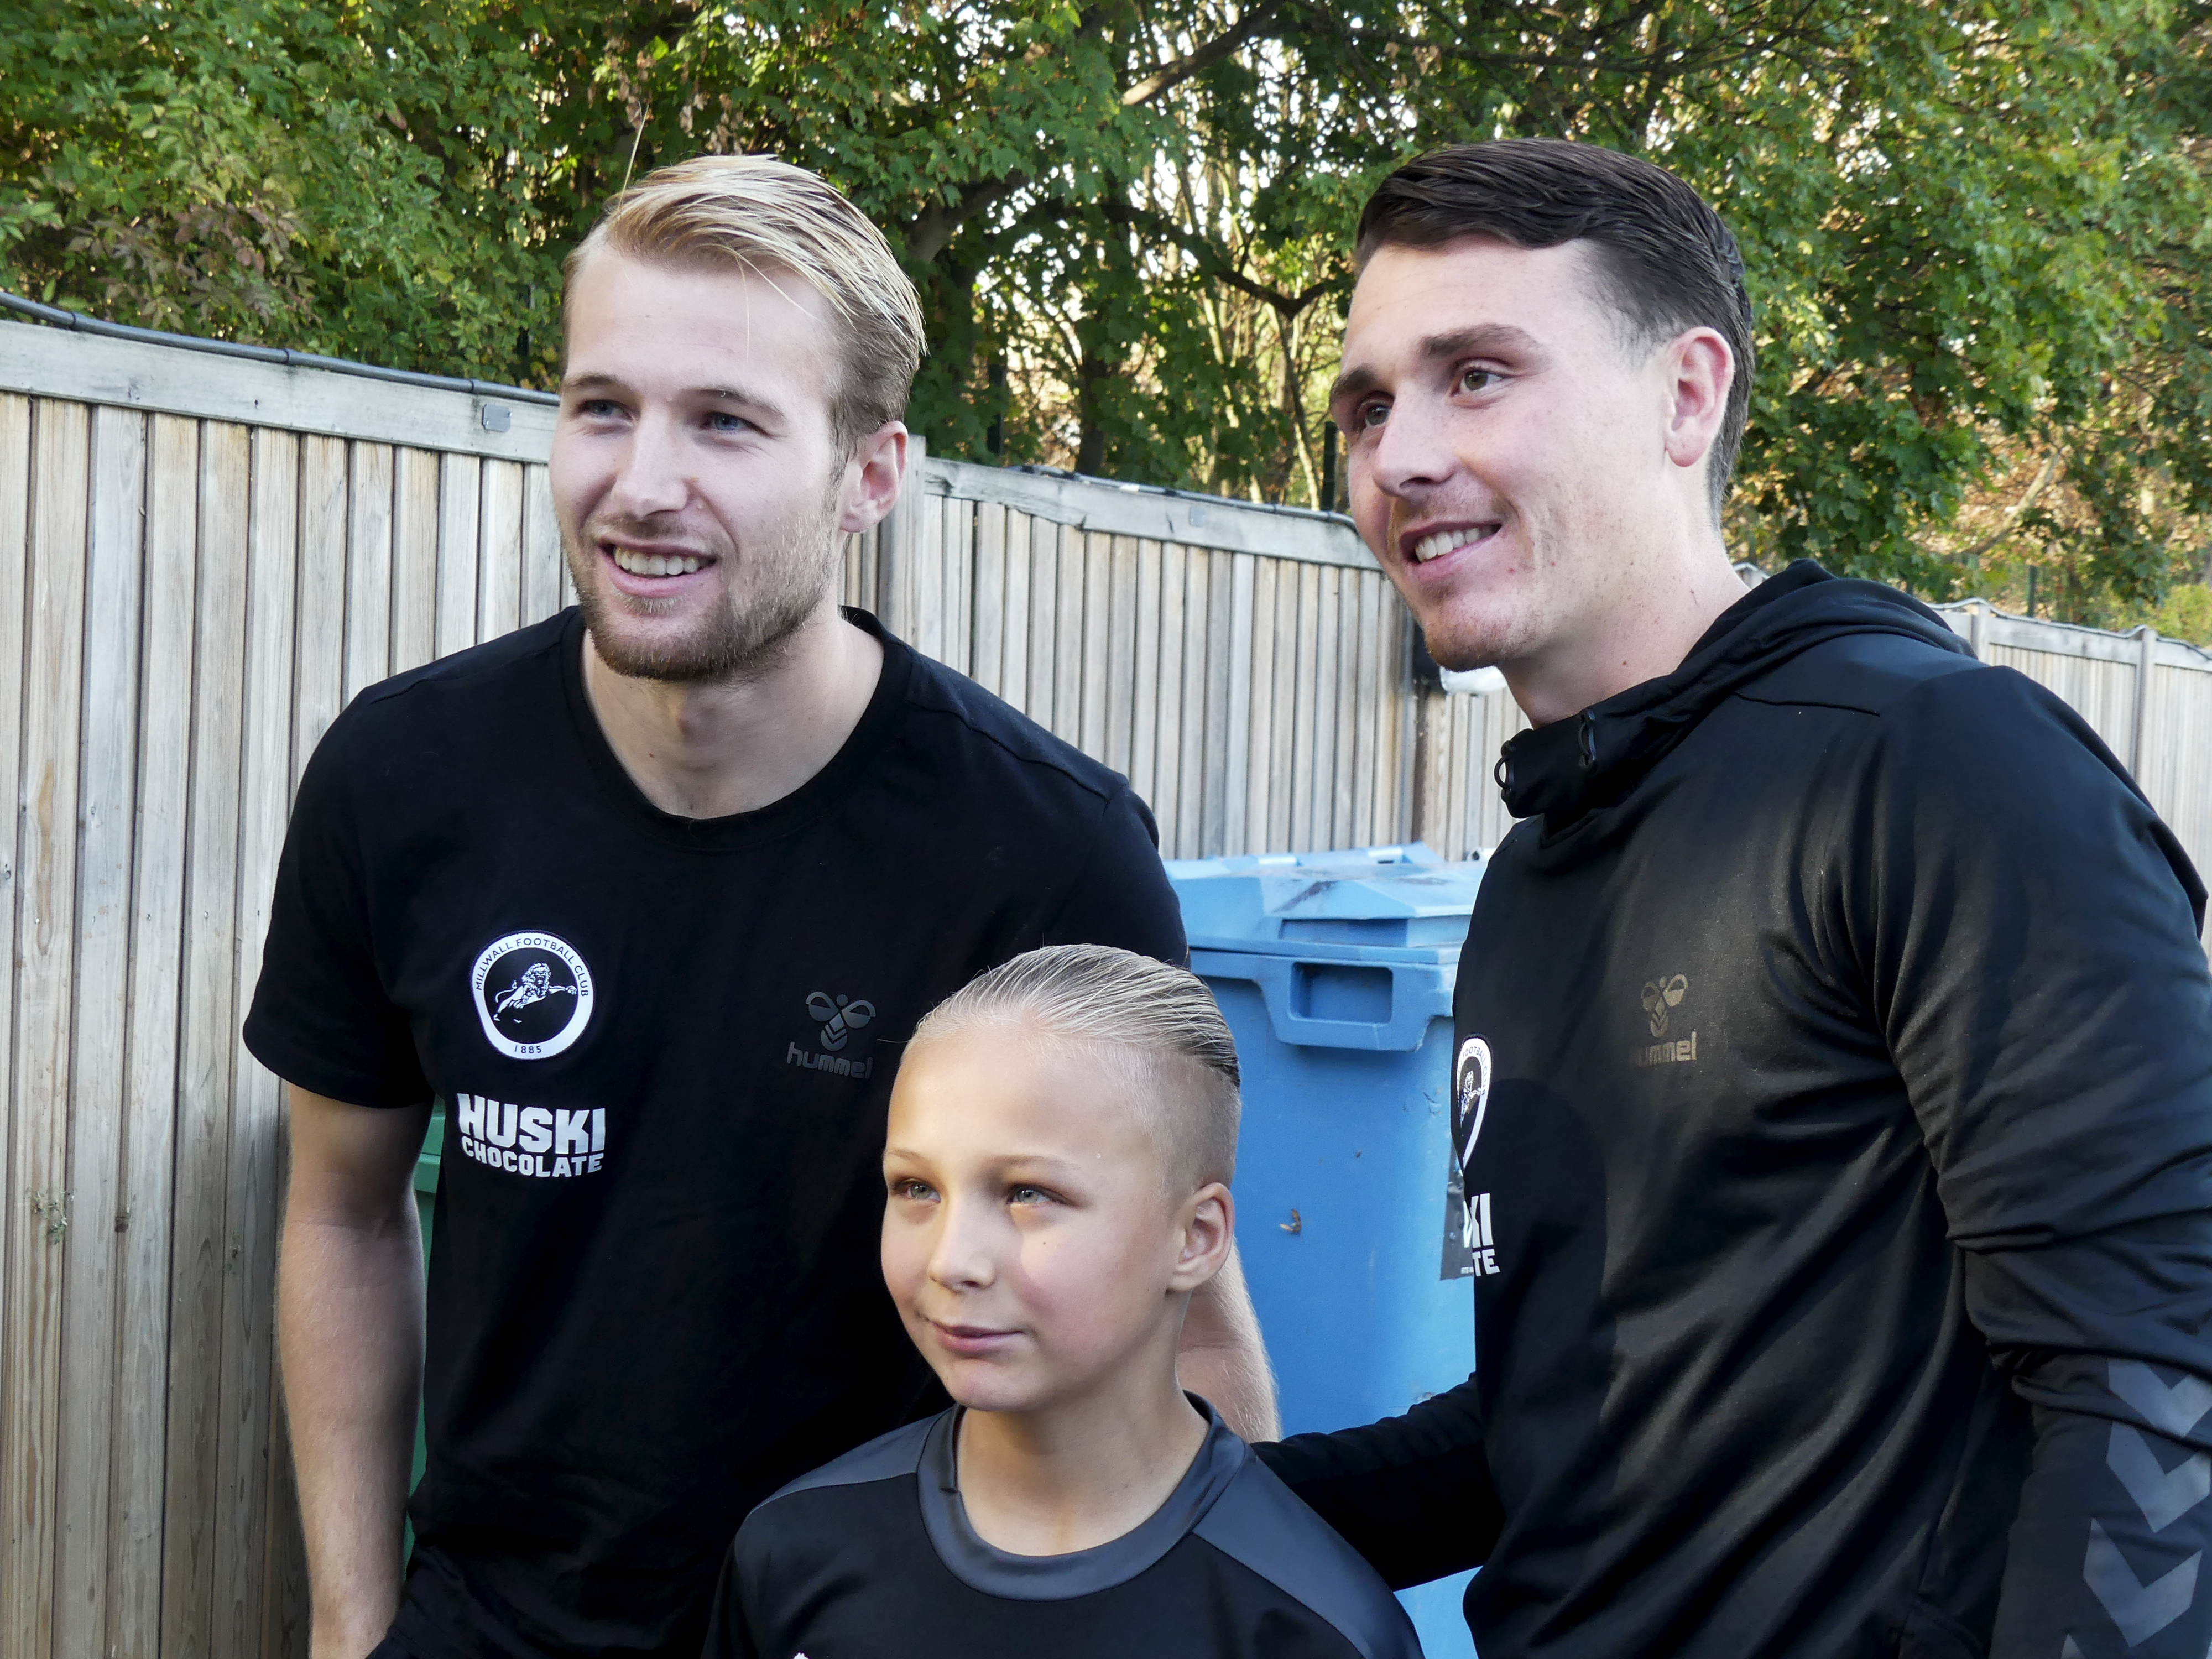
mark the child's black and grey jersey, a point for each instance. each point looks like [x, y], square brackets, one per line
[872, 1557]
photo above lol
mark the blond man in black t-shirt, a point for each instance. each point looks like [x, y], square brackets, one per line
[651, 893]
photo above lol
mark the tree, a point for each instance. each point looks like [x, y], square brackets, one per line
[1975, 232]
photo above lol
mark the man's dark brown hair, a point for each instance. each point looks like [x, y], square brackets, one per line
[1667, 262]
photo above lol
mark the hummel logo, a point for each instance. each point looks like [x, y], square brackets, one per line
[2140, 1609]
[1660, 995]
[840, 1016]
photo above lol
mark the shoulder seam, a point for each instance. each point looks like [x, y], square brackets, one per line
[1106, 791]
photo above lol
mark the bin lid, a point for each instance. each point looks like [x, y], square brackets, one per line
[1360, 901]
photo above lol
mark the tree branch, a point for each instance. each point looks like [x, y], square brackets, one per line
[1169, 77]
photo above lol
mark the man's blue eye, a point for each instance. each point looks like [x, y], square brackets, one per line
[723, 422]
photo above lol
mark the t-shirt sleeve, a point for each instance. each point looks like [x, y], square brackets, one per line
[728, 1637]
[1121, 895]
[321, 1018]
[1412, 1494]
[2027, 929]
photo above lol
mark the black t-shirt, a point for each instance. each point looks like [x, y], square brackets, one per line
[874, 1557]
[666, 1044]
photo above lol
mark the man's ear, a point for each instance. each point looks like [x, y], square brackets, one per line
[873, 473]
[1700, 369]
[1205, 1227]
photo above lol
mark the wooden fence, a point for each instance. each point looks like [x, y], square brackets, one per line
[202, 559]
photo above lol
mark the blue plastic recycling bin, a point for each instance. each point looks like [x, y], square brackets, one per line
[1335, 971]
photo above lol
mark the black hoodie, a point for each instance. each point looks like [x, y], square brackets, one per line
[1834, 1093]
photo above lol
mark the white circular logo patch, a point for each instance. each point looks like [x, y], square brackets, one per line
[533, 994]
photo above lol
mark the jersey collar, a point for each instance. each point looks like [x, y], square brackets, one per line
[985, 1567]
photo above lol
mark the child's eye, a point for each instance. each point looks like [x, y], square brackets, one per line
[1028, 1195]
[913, 1191]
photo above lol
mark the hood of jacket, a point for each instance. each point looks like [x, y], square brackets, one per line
[1589, 760]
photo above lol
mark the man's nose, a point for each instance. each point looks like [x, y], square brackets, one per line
[654, 475]
[1413, 452]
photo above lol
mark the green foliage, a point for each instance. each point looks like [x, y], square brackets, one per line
[1977, 233]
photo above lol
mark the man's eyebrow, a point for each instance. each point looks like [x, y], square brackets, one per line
[1497, 338]
[717, 394]
[1491, 338]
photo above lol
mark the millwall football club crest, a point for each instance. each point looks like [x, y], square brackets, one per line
[533, 994]
[1470, 1096]
[1470, 1247]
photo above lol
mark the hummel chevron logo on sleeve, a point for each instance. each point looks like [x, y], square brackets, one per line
[2163, 1495]
[2071, 1649]
[2173, 1411]
[2140, 1610]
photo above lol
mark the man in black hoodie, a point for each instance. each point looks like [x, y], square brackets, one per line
[1833, 1088]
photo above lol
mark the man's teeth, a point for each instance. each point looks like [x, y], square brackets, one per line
[1435, 546]
[655, 564]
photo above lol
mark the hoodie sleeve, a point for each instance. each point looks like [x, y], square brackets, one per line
[2028, 930]
[1412, 1494]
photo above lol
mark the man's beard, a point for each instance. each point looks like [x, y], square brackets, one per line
[732, 643]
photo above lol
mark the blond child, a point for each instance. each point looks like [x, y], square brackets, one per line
[1061, 1136]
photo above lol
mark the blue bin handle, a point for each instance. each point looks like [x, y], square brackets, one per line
[1419, 992]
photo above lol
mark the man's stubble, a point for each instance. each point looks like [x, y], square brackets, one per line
[751, 632]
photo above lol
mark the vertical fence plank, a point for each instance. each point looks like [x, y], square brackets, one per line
[1259, 722]
[139, 1411]
[1321, 829]
[959, 561]
[1115, 673]
[498, 555]
[1014, 676]
[541, 548]
[1229, 702]
[460, 481]
[38, 1212]
[1168, 711]
[15, 424]
[368, 569]
[1291, 649]
[1067, 637]
[1044, 619]
[414, 559]
[1014, 667]
[321, 690]
[199, 1257]
[1344, 712]
[1367, 709]
[1145, 675]
[1090, 735]
[250, 1203]
[1191, 715]
[108, 792]
[989, 624]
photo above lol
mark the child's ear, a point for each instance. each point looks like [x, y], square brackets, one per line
[1205, 1227]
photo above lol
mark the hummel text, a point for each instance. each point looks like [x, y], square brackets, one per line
[1667, 1053]
[837, 1064]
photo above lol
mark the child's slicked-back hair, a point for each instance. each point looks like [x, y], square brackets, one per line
[1158, 1024]
[767, 218]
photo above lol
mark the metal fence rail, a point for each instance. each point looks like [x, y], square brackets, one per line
[203, 558]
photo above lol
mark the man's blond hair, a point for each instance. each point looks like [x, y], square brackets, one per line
[773, 221]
